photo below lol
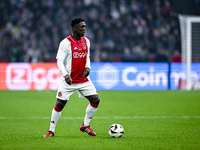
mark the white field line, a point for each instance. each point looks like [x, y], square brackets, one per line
[116, 117]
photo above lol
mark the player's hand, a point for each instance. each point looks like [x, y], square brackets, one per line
[68, 79]
[86, 72]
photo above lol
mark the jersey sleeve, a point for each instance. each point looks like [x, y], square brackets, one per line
[88, 55]
[61, 54]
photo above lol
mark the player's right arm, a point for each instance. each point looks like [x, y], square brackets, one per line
[61, 56]
[68, 79]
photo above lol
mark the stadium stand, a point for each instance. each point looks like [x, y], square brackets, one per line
[119, 30]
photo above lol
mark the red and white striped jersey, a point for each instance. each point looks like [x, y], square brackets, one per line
[73, 57]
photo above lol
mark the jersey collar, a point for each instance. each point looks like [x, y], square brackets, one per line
[76, 41]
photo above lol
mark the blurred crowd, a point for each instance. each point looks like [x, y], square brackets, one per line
[119, 30]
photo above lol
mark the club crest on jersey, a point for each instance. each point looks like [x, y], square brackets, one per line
[79, 55]
[84, 46]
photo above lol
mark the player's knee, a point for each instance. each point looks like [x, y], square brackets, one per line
[60, 103]
[96, 100]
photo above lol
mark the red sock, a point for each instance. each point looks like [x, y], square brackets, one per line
[57, 109]
[94, 105]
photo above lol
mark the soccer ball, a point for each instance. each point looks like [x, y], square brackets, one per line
[116, 131]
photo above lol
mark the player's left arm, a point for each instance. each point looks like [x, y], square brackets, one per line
[86, 71]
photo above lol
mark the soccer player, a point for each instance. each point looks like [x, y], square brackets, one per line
[73, 60]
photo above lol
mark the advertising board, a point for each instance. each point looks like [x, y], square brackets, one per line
[105, 76]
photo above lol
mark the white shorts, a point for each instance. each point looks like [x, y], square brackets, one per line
[84, 89]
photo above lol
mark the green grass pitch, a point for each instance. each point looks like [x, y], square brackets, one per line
[152, 120]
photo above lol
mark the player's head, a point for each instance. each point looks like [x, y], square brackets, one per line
[78, 26]
[76, 21]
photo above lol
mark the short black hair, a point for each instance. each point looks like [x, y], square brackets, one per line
[76, 21]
